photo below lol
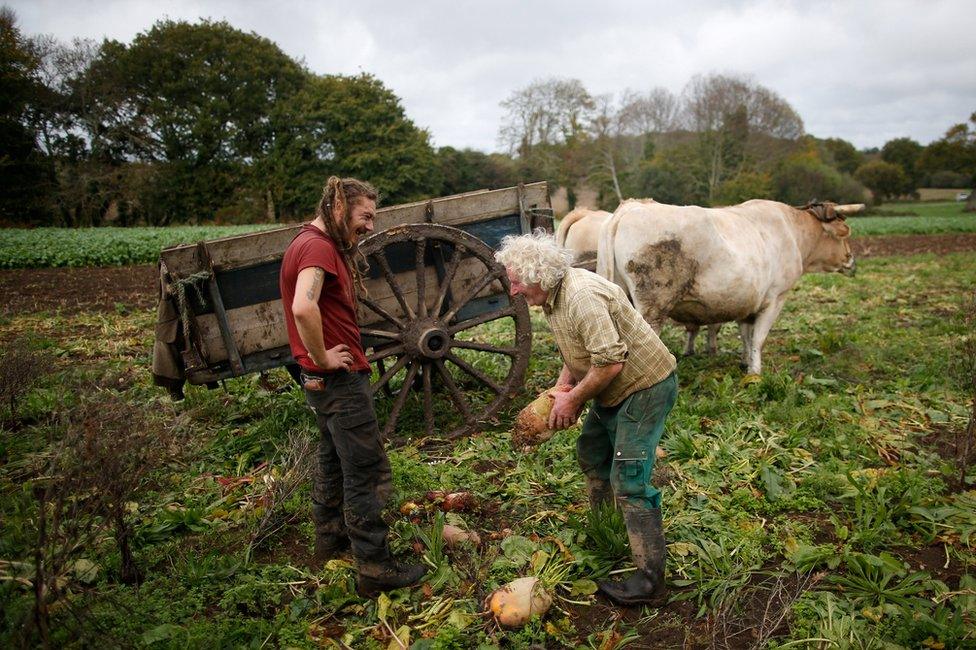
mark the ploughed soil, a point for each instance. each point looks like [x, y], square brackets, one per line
[71, 290]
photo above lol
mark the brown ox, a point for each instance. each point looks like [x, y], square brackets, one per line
[701, 266]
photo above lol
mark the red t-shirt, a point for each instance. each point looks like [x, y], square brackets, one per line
[313, 248]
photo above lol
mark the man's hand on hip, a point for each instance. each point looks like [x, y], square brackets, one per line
[337, 358]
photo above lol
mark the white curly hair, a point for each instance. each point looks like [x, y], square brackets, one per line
[535, 258]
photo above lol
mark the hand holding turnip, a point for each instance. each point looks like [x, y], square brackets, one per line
[532, 424]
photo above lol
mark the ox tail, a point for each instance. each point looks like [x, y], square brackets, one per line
[567, 222]
[605, 262]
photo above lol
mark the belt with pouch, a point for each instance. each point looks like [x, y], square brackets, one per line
[312, 381]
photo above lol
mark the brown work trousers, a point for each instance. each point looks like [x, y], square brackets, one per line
[352, 480]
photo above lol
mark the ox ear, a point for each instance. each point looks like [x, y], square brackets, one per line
[837, 228]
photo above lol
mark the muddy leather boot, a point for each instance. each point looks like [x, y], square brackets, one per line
[328, 546]
[374, 579]
[646, 586]
[599, 492]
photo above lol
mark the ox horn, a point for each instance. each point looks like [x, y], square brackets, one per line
[849, 208]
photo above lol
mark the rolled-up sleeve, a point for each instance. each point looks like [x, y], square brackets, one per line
[597, 330]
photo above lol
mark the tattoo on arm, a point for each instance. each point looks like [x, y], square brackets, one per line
[316, 285]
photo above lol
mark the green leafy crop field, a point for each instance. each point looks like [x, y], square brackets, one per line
[43, 247]
[57, 247]
[822, 505]
[914, 219]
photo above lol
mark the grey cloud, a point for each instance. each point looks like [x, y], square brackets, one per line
[865, 71]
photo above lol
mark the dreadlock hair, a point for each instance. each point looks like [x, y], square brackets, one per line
[338, 195]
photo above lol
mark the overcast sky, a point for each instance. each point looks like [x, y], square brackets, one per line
[863, 70]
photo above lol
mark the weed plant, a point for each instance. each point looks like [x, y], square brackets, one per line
[821, 477]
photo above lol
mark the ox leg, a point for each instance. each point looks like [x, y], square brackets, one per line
[760, 330]
[713, 338]
[745, 333]
[692, 332]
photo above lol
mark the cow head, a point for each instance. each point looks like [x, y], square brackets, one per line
[833, 249]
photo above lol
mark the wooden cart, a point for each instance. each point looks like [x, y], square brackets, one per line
[448, 344]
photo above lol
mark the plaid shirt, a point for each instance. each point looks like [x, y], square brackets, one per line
[594, 324]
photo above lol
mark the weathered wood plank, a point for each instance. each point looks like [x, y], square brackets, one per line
[259, 247]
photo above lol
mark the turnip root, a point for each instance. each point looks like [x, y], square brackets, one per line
[452, 501]
[532, 422]
[514, 604]
[454, 536]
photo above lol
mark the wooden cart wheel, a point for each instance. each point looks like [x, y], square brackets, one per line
[447, 338]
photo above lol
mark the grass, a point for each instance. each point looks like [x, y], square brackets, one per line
[818, 478]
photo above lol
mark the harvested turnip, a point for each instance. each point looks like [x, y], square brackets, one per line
[452, 501]
[454, 536]
[532, 422]
[514, 604]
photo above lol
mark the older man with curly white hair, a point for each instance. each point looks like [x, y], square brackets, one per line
[612, 356]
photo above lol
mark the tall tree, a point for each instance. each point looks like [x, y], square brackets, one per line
[884, 179]
[844, 155]
[464, 170]
[195, 101]
[954, 152]
[25, 175]
[653, 112]
[545, 126]
[729, 114]
[348, 126]
[904, 152]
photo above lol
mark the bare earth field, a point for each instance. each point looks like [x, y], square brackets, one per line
[133, 287]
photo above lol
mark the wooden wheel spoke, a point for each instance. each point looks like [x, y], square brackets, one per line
[469, 295]
[419, 252]
[452, 253]
[380, 334]
[385, 315]
[428, 401]
[474, 372]
[380, 257]
[452, 268]
[483, 347]
[386, 376]
[454, 392]
[382, 353]
[482, 319]
[401, 399]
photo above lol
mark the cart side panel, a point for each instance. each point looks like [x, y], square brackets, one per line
[267, 245]
[247, 314]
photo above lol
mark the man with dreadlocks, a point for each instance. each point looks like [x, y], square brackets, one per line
[352, 479]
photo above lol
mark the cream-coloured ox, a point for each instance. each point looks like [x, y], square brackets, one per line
[579, 231]
[701, 266]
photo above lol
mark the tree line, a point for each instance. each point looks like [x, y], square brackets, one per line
[202, 122]
[724, 139]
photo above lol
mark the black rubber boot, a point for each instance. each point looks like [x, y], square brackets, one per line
[599, 492]
[646, 586]
[374, 579]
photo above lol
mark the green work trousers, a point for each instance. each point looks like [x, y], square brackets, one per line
[617, 443]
